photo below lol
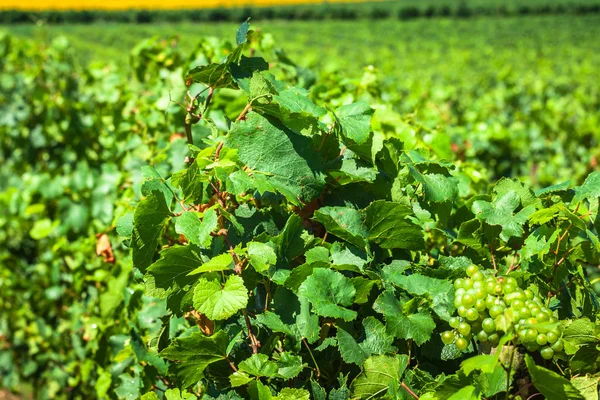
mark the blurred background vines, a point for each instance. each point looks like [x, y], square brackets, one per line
[501, 89]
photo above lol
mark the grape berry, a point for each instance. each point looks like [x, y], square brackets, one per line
[489, 306]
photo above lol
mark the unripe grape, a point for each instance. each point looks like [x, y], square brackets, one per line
[535, 310]
[478, 276]
[488, 325]
[509, 280]
[508, 289]
[558, 346]
[494, 338]
[528, 294]
[457, 300]
[496, 310]
[480, 294]
[461, 344]
[448, 337]
[458, 284]
[530, 335]
[517, 304]
[464, 328]
[468, 300]
[454, 321]
[490, 286]
[498, 289]
[524, 312]
[480, 305]
[482, 336]
[547, 353]
[462, 311]
[542, 317]
[532, 346]
[541, 339]
[552, 337]
[459, 292]
[523, 335]
[472, 314]
[471, 270]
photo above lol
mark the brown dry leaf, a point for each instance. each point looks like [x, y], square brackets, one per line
[104, 249]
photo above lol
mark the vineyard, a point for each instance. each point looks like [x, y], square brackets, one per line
[309, 210]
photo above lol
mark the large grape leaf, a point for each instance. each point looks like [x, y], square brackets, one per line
[389, 227]
[343, 222]
[192, 354]
[220, 302]
[417, 326]
[170, 271]
[501, 212]
[354, 122]
[550, 384]
[378, 373]
[149, 220]
[328, 291]
[279, 160]
[439, 290]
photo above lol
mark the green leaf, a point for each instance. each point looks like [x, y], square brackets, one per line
[293, 394]
[377, 340]
[328, 291]
[378, 373]
[354, 122]
[149, 220]
[220, 302]
[258, 391]
[289, 365]
[389, 227]
[417, 326]
[192, 354]
[239, 379]
[209, 223]
[351, 352]
[439, 290]
[587, 386]
[438, 188]
[307, 323]
[188, 224]
[485, 363]
[261, 256]
[550, 384]
[242, 32]
[171, 270]
[222, 262]
[589, 190]
[42, 229]
[501, 212]
[258, 365]
[343, 222]
[279, 160]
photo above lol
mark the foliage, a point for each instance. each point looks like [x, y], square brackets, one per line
[295, 247]
[331, 245]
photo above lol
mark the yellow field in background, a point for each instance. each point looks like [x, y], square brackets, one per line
[147, 4]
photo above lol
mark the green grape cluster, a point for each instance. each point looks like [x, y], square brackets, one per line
[489, 306]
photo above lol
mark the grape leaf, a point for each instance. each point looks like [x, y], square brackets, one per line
[220, 302]
[328, 291]
[192, 354]
[171, 271]
[417, 326]
[279, 160]
[378, 373]
[389, 227]
[149, 219]
[550, 384]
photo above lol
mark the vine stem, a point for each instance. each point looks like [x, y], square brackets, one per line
[493, 257]
[312, 356]
[244, 112]
[405, 387]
